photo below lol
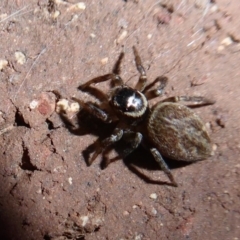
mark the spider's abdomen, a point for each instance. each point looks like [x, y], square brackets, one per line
[178, 133]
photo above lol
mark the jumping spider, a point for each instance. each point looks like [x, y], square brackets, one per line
[168, 128]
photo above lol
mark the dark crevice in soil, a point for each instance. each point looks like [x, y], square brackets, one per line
[52, 147]
[50, 124]
[26, 161]
[19, 119]
[25, 222]
[47, 237]
[11, 190]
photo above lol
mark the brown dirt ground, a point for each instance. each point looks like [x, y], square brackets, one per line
[47, 191]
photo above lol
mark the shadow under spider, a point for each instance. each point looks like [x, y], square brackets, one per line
[140, 158]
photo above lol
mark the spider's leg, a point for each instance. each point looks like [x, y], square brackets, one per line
[96, 93]
[198, 101]
[114, 76]
[115, 137]
[150, 94]
[132, 140]
[94, 110]
[111, 76]
[140, 86]
[116, 68]
[158, 158]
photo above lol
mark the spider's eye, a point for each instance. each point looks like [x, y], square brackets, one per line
[129, 101]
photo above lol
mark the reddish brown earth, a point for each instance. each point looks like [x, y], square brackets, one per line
[47, 191]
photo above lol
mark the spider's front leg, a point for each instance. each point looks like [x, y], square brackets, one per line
[111, 76]
[141, 84]
[94, 110]
[143, 78]
[114, 76]
[150, 94]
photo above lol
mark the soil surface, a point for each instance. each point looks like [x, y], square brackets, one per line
[47, 191]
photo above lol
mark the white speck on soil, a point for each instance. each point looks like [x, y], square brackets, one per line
[62, 105]
[214, 8]
[3, 64]
[138, 237]
[3, 16]
[92, 35]
[149, 36]
[39, 191]
[20, 57]
[81, 5]
[104, 61]
[33, 104]
[153, 196]
[227, 41]
[74, 107]
[85, 220]
[70, 180]
[56, 14]
[154, 211]
[125, 213]
[77, 6]
[122, 36]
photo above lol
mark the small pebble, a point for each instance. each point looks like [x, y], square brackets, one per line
[92, 35]
[2, 16]
[85, 220]
[77, 6]
[153, 196]
[214, 148]
[70, 180]
[149, 36]
[122, 36]
[214, 8]
[33, 104]
[74, 107]
[62, 105]
[104, 61]
[3, 64]
[138, 237]
[81, 5]
[20, 57]
[227, 41]
[125, 213]
[56, 14]
[154, 211]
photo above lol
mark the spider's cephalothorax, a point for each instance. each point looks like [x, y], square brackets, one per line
[168, 129]
[128, 101]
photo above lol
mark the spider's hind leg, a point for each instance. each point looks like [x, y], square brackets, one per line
[197, 101]
[158, 158]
